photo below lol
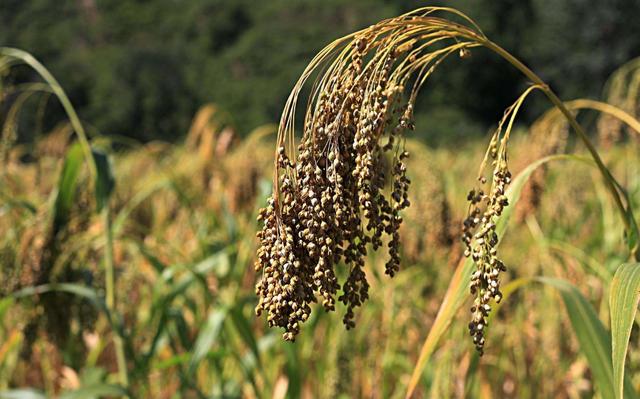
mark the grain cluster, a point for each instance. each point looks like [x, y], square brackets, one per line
[333, 201]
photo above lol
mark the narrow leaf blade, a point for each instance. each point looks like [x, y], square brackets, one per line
[595, 342]
[623, 301]
[207, 336]
[105, 181]
[67, 184]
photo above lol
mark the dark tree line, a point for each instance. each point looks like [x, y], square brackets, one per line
[142, 68]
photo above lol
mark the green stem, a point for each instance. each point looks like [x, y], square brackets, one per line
[111, 299]
[16, 54]
[610, 182]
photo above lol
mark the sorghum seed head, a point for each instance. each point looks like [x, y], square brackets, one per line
[330, 201]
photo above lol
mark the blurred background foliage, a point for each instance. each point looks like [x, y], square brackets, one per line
[179, 100]
[142, 68]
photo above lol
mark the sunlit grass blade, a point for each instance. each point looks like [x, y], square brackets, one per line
[294, 373]
[207, 337]
[13, 203]
[16, 56]
[623, 301]
[174, 288]
[453, 299]
[5, 305]
[95, 391]
[71, 288]
[22, 394]
[10, 352]
[244, 330]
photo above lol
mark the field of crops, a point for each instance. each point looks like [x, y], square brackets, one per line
[128, 269]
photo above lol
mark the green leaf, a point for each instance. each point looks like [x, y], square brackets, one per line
[172, 361]
[207, 336]
[293, 370]
[157, 264]
[105, 181]
[176, 287]
[593, 338]
[244, 329]
[71, 288]
[624, 296]
[67, 184]
[5, 305]
[22, 394]
[92, 376]
[14, 203]
[95, 391]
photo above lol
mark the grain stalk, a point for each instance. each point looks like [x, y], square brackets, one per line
[110, 282]
[330, 204]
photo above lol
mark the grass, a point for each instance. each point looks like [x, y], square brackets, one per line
[128, 272]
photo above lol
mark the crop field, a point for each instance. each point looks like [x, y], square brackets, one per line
[333, 255]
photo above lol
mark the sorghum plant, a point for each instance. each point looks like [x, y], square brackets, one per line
[330, 204]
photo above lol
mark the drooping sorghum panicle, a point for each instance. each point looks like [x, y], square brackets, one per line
[479, 228]
[332, 200]
[481, 239]
[285, 290]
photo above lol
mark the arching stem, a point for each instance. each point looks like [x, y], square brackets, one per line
[610, 182]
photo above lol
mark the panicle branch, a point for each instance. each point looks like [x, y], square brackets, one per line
[334, 197]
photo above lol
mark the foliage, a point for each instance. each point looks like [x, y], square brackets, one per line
[153, 296]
